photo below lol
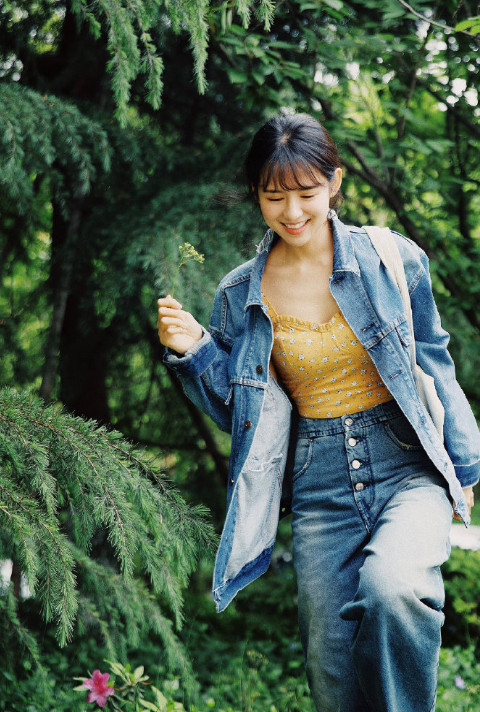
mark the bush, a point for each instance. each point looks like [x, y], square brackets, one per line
[458, 680]
[462, 608]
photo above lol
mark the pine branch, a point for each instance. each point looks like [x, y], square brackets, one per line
[52, 460]
[137, 610]
[41, 134]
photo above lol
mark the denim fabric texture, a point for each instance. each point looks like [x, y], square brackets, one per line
[227, 375]
[371, 521]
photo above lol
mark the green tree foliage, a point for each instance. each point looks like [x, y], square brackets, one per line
[135, 48]
[44, 135]
[99, 534]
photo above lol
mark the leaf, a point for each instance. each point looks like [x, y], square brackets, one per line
[151, 706]
[334, 4]
[160, 697]
[138, 672]
[259, 76]
[236, 76]
[472, 24]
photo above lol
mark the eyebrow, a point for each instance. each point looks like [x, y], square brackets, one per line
[303, 187]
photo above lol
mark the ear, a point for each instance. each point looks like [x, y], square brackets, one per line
[336, 182]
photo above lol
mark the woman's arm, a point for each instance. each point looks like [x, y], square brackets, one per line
[198, 359]
[461, 434]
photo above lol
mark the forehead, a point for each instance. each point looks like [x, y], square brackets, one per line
[279, 177]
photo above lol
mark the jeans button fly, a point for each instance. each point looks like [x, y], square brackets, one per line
[348, 421]
[356, 464]
[352, 441]
[359, 487]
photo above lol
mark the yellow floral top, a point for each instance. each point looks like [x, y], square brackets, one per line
[324, 367]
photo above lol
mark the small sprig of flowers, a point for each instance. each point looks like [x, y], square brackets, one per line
[187, 254]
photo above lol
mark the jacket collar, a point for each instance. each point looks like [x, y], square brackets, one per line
[267, 243]
[344, 259]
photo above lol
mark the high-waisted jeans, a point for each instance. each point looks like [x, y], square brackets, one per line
[371, 523]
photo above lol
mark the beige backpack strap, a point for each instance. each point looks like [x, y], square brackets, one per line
[386, 247]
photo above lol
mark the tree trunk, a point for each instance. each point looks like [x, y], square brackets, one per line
[16, 579]
[63, 252]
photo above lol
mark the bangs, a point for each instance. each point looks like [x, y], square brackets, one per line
[281, 173]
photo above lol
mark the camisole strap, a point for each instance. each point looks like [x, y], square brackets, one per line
[269, 305]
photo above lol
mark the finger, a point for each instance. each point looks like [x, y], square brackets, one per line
[170, 311]
[169, 301]
[167, 320]
[171, 329]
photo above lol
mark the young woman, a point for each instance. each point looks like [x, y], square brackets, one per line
[306, 363]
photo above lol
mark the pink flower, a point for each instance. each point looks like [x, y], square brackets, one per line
[99, 688]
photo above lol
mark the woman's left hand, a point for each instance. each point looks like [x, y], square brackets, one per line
[468, 492]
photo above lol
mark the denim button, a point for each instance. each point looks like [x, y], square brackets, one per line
[356, 464]
[352, 441]
[232, 480]
[259, 369]
[247, 424]
[348, 421]
[359, 487]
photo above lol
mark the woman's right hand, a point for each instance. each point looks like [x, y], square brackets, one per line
[177, 329]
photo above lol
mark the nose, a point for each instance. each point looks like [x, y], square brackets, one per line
[293, 209]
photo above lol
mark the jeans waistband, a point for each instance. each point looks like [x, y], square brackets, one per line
[330, 426]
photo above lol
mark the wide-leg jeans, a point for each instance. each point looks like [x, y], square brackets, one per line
[371, 523]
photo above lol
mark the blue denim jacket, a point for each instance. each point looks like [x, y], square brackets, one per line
[227, 375]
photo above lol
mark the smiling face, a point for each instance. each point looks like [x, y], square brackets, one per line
[297, 210]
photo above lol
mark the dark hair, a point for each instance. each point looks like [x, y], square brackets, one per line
[287, 146]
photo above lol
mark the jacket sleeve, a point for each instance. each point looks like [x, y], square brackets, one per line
[461, 434]
[203, 370]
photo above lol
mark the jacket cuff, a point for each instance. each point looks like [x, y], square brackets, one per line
[196, 360]
[468, 475]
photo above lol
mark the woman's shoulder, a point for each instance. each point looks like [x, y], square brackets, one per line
[410, 252]
[403, 242]
[243, 272]
[237, 275]
[414, 258]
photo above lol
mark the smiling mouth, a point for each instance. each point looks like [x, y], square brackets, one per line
[297, 227]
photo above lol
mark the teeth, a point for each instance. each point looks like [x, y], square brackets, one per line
[296, 226]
